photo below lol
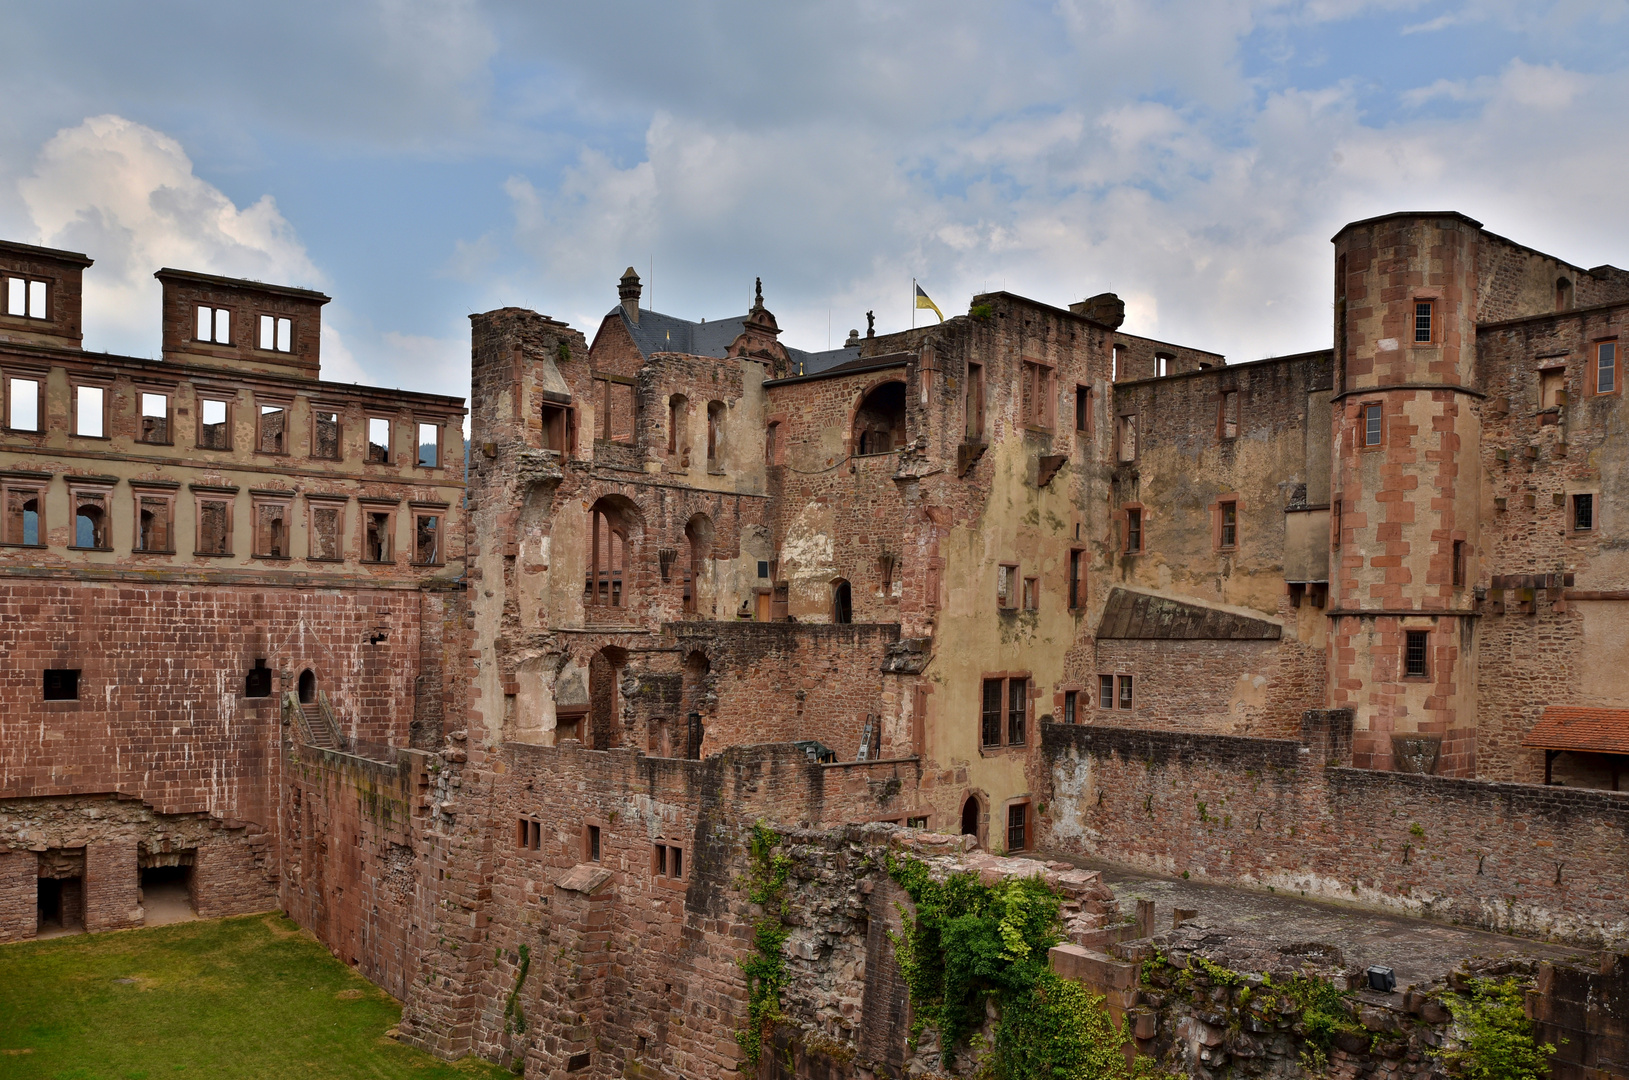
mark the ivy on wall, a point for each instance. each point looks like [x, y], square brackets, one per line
[765, 966]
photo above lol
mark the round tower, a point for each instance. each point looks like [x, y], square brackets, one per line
[1403, 513]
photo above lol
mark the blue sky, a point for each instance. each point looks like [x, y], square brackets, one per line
[423, 159]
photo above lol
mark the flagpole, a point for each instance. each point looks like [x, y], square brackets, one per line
[913, 303]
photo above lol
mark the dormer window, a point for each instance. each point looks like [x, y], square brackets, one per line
[214, 325]
[276, 334]
[26, 297]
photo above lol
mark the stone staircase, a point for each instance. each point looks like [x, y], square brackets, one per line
[321, 736]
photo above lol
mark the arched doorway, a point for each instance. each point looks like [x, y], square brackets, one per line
[970, 817]
[842, 602]
[308, 687]
[698, 537]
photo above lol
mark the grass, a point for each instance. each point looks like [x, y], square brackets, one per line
[245, 998]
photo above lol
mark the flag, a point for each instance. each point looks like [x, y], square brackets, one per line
[922, 301]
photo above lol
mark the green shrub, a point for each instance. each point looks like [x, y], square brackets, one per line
[1499, 1042]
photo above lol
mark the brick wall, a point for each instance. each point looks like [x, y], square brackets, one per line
[19, 889]
[1518, 858]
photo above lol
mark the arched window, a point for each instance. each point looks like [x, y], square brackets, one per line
[698, 535]
[607, 558]
[879, 422]
[308, 687]
[90, 527]
[678, 408]
[842, 602]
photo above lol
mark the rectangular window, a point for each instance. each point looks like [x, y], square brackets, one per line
[975, 401]
[1038, 404]
[61, 684]
[90, 416]
[214, 527]
[1114, 363]
[325, 434]
[378, 441]
[593, 843]
[1228, 519]
[155, 419]
[1583, 513]
[427, 539]
[669, 860]
[23, 524]
[1125, 691]
[276, 333]
[213, 431]
[1032, 594]
[271, 530]
[153, 523]
[1069, 697]
[273, 437]
[26, 298]
[1606, 367]
[1017, 819]
[1371, 424]
[556, 428]
[1105, 691]
[1414, 654]
[429, 445]
[990, 728]
[325, 533]
[24, 399]
[1423, 312]
[616, 401]
[529, 834]
[1077, 580]
[1134, 531]
[1125, 438]
[1459, 564]
[214, 325]
[1229, 428]
[1017, 710]
[1007, 585]
[1083, 408]
[1162, 364]
[376, 543]
[1552, 385]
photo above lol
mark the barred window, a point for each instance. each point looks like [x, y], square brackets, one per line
[990, 730]
[1414, 656]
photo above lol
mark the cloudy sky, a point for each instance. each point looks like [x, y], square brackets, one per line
[423, 159]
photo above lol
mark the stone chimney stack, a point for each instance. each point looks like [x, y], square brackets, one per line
[629, 291]
[1105, 308]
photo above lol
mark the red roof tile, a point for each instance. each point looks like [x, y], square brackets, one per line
[1575, 727]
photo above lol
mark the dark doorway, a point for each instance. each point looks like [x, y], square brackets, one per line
[308, 687]
[61, 906]
[842, 602]
[166, 895]
[970, 817]
[692, 749]
[604, 699]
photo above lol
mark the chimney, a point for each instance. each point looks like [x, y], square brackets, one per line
[1106, 308]
[628, 290]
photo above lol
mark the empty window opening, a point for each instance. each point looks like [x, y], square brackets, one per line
[715, 436]
[1228, 520]
[153, 524]
[1077, 579]
[1552, 388]
[307, 687]
[1032, 594]
[90, 522]
[605, 722]
[1125, 691]
[378, 441]
[155, 418]
[214, 325]
[842, 602]
[1105, 691]
[669, 861]
[258, 681]
[1134, 531]
[1606, 368]
[429, 445]
[214, 527]
[698, 537]
[879, 422]
[1583, 513]
[1414, 654]
[1115, 367]
[1069, 698]
[1125, 439]
[617, 407]
[1162, 364]
[89, 414]
[607, 557]
[22, 524]
[377, 546]
[61, 684]
[1017, 833]
[1459, 564]
[1083, 408]
[578, 1062]
[324, 538]
[1230, 414]
[593, 845]
[166, 891]
[529, 835]
[975, 401]
[970, 817]
[273, 429]
[1007, 585]
[1424, 312]
[276, 333]
[25, 297]
[1039, 406]
[678, 407]
[24, 414]
[325, 434]
[1371, 424]
[771, 441]
[1563, 294]
[213, 433]
[271, 530]
[556, 428]
[427, 539]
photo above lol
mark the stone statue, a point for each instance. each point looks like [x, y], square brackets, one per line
[871, 324]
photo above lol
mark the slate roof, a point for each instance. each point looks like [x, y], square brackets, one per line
[1581, 727]
[657, 332]
[1135, 616]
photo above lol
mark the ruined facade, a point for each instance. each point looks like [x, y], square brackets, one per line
[498, 731]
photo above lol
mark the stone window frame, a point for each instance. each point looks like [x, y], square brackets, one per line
[1009, 600]
[16, 375]
[1067, 698]
[1424, 674]
[557, 422]
[165, 494]
[1594, 498]
[388, 507]
[367, 439]
[1105, 684]
[40, 486]
[1459, 562]
[50, 290]
[100, 491]
[975, 404]
[595, 832]
[259, 499]
[429, 510]
[1597, 348]
[203, 494]
[1218, 534]
[1031, 593]
[678, 426]
[1364, 446]
[1432, 302]
[77, 383]
[260, 406]
[440, 424]
[775, 427]
[1076, 577]
[142, 391]
[260, 324]
[339, 431]
[1229, 395]
[315, 501]
[1038, 395]
[1336, 502]
[603, 399]
[662, 851]
[529, 835]
[1005, 718]
[214, 322]
[1124, 515]
[1125, 691]
[1023, 804]
[228, 398]
[1123, 422]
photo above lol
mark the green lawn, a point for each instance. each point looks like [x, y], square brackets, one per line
[245, 997]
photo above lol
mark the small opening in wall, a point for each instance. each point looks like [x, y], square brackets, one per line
[593, 843]
[577, 1062]
[61, 684]
[257, 683]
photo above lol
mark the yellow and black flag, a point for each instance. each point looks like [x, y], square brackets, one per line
[922, 301]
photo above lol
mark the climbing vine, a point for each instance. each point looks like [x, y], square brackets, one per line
[765, 968]
[968, 944]
[1498, 1040]
[514, 1017]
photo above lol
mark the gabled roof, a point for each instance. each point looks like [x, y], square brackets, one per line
[656, 333]
[1581, 727]
[1135, 616]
